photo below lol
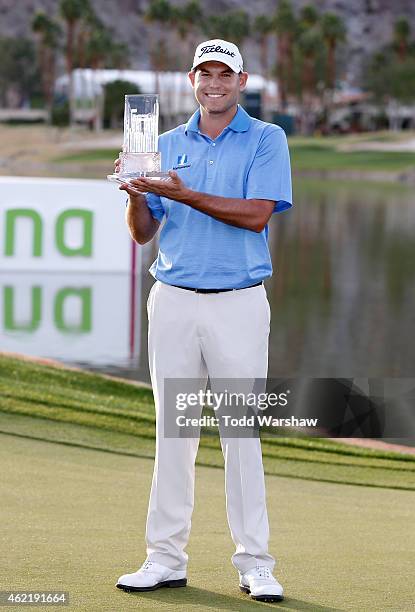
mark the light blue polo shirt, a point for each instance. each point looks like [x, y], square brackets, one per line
[249, 160]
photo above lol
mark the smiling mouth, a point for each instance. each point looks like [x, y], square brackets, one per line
[215, 95]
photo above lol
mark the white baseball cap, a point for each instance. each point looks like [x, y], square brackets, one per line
[217, 50]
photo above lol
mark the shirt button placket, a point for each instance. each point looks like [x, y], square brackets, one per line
[211, 161]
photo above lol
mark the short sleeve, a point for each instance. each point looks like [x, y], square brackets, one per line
[155, 206]
[269, 177]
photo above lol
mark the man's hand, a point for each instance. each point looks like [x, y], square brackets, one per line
[117, 164]
[172, 188]
[252, 214]
[132, 191]
[126, 186]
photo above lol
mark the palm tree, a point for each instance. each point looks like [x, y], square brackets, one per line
[285, 26]
[308, 16]
[87, 25]
[264, 26]
[185, 19]
[101, 51]
[401, 34]
[233, 26]
[309, 43]
[98, 48]
[48, 32]
[97, 51]
[159, 13]
[72, 11]
[95, 44]
[195, 18]
[118, 56]
[334, 31]
[238, 26]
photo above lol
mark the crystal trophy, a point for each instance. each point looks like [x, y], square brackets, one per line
[139, 156]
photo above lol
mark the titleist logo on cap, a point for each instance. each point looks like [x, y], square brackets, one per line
[215, 49]
[218, 50]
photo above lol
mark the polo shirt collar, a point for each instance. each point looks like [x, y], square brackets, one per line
[240, 123]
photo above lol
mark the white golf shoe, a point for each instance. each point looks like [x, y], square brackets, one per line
[261, 584]
[152, 576]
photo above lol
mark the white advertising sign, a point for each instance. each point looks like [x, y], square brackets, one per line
[70, 286]
[62, 224]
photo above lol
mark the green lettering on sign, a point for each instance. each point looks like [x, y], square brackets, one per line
[9, 321]
[84, 249]
[84, 296]
[10, 229]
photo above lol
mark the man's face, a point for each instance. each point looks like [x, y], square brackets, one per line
[217, 87]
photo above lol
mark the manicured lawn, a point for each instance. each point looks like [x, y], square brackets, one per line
[313, 153]
[76, 451]
[74, 519]
[91, 155]
[87, 409]
[324, 157]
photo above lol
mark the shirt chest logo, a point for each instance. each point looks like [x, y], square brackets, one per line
[182, 162]
[182, 159]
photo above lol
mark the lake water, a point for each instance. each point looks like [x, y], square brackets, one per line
[343, 290]
[342, 295]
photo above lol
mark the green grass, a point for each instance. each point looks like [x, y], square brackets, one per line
[358, 138]
[306, 154]
[84, 409]
[76, 451]
[321, 156]
[74, 519]
[91, 155]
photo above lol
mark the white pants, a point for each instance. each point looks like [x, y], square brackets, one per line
[192, 335]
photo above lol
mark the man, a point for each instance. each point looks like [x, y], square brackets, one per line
[208, 310]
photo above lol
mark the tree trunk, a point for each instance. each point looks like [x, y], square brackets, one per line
[289, 67]
[331, 64]
[69, 69]
[264, 56]
[308, 86]
[82, 38]
[98, 100]
[402, 50]
[50, 83]
[265, 75]
[46, 63]
[328, 94]
[309, 75]
[282, 92]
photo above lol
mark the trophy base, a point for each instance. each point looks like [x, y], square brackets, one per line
[126, 177]
[139, 165]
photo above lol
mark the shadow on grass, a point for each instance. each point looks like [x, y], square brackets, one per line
[182, 598]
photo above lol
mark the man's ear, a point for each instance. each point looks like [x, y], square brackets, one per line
[243, 77]
[191, 76]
